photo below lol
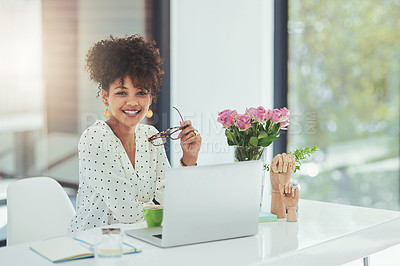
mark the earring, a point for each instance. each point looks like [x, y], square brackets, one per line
[149, 113]
[107, 113]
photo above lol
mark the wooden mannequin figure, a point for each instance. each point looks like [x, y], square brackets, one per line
[290, 197]
[282, 166]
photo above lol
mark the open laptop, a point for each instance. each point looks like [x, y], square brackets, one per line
[207, 203]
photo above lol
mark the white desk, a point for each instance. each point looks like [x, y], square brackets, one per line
[326, 234]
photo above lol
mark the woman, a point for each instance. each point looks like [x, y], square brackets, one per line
[120, 171]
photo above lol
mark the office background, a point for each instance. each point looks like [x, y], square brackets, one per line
[334, 64]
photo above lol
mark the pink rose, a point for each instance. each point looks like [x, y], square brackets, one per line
[223, 114]
[227, 117]
[262, 114]
[275, 115]
[284, 124]
[285, 114]
[243, 122]
[251, 112]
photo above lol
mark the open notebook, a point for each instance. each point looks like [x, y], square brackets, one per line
[67, 248]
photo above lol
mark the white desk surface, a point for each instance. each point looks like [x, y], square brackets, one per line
[325, 234]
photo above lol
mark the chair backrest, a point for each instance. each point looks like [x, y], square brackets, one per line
[37, 208]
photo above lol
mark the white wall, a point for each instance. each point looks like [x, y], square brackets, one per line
[221, 58]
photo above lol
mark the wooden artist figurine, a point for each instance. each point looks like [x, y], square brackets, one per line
[284, 194]
[290, 197]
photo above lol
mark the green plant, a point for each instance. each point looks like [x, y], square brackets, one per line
[302, 154]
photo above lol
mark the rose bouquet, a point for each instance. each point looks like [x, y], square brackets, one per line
[254, 130]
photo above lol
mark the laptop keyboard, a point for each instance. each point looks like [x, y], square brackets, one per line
[158, 236]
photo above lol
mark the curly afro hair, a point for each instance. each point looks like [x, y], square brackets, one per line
[131, 56]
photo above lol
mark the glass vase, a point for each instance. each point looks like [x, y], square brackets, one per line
[250, 153]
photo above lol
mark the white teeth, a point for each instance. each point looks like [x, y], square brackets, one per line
[131, 112]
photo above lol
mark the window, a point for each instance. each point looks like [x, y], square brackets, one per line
[47, 98]
[343, 90]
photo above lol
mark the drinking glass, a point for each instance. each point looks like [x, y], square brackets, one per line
[108, 248]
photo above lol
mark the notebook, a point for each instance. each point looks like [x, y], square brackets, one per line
[207, 203]
[267, 217]
[67, 248]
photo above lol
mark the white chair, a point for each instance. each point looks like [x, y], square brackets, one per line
[37, 208]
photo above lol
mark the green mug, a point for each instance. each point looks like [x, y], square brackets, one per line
[153, 215]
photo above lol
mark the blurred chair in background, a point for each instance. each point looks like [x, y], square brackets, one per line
[37, 207]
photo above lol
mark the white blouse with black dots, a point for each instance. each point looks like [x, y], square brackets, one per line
[111, 190]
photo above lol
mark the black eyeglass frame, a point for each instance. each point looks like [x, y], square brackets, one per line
[165, 134]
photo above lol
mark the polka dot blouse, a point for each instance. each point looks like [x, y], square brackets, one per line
[110, 189]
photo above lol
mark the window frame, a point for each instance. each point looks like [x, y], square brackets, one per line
[281, 11]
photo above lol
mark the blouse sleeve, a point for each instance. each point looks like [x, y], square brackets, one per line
[101, 166]
[162, 165]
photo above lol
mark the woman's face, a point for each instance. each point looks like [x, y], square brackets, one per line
[128, 104]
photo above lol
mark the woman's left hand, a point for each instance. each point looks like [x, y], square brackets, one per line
[190, 143]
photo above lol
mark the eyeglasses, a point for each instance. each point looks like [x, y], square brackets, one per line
[171, 133]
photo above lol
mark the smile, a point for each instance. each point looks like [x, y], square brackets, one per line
[132, 113]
